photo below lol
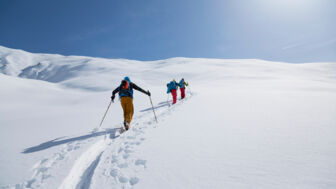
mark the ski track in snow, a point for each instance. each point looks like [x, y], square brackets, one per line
[83, 169]
[119, 165]
[42, 168]
[111, 156]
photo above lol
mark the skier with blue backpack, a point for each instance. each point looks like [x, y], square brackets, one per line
[171, 88]
[125, 90]
[182, 84]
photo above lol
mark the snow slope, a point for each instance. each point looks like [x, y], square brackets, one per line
[244, 124]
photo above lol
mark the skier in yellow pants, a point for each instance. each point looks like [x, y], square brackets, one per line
[125, 91]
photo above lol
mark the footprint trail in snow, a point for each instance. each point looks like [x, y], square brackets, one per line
[111, 159]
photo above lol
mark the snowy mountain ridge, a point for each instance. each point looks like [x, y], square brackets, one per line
[67, 70]
[244, 124]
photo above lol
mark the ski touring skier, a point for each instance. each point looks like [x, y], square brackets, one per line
[171, 88]
[182, 84]
[125, 90]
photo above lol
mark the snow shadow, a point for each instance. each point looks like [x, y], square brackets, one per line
[165, 102]
[57, 142]
[50, 72]
[160, 105]
[86, 178]
[156, 107]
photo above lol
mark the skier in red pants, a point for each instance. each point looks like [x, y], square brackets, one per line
[172, 87]
[182, 84]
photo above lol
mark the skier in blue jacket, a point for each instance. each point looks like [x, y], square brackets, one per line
[182, 84]
[172, 87]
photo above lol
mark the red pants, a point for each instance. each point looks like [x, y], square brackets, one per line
[182, 92]
[174, 94]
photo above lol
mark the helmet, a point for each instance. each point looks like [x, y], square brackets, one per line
[127, 79]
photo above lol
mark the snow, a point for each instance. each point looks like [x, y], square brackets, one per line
[244, 124]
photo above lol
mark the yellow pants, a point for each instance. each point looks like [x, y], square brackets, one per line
[127, 105]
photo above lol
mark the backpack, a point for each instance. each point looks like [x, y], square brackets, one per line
[124, 85]
[125, 89]
[172, 85]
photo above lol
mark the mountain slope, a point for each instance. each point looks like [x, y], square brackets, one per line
[244, 124]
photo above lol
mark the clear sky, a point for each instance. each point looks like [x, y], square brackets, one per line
[285, 30]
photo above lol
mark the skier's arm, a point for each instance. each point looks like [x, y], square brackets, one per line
[114, 92]
[168, 89]
[134, 86]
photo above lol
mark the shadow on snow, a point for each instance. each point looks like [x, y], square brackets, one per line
[160, 105]
[57, 141]
[155, 107]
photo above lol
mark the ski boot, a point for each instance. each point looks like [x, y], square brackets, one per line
[126, 125]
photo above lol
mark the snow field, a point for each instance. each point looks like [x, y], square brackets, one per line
[244, 124]
[289, 145]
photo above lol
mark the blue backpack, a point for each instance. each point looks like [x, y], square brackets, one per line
[172, 85]
[181, 84]
[125, 88]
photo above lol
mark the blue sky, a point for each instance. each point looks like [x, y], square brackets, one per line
[280, 30]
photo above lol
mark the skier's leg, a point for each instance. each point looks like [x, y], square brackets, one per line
[123, 103]
[174, 95]
[131, 107]
[129, 111]
[182, 92]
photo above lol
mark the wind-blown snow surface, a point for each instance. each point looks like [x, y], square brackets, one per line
[244, 124]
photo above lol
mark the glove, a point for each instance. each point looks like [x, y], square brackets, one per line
[148, 93]
[112, 98]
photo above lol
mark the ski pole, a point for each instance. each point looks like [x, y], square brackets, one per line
[153, 108]
[168, 100]
[105, 114]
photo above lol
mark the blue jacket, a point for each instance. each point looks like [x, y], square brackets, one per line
[172, 85]
[182, 84]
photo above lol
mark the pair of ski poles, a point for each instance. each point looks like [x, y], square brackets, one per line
[108, 107]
